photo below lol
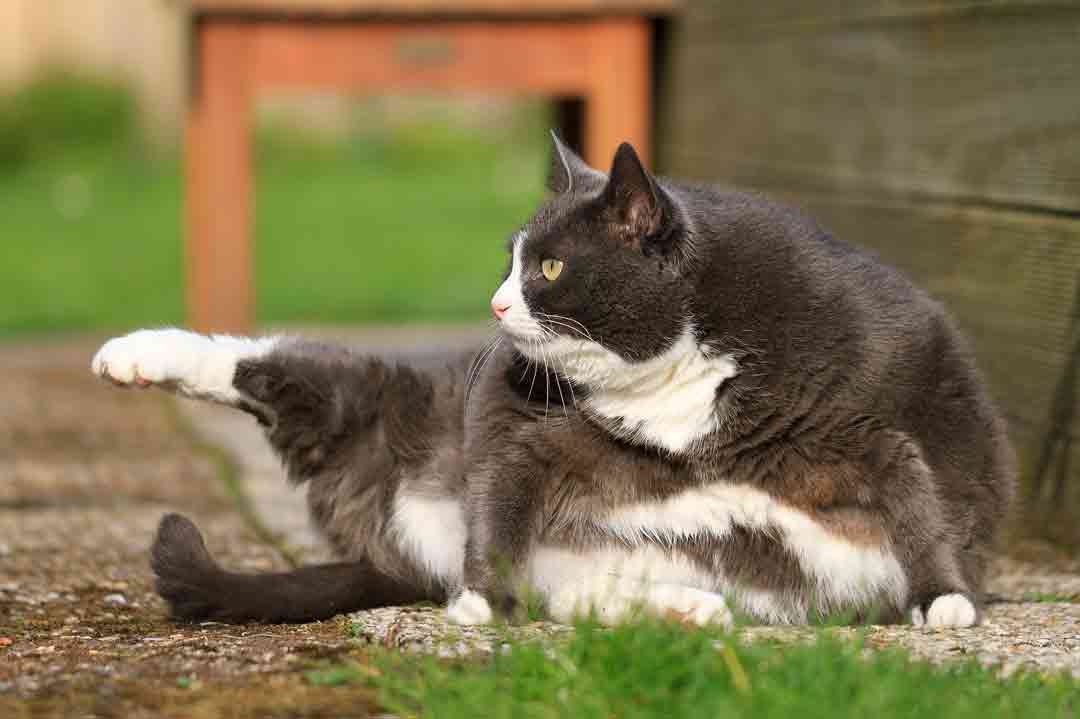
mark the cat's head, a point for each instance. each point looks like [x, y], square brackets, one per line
[602, 262]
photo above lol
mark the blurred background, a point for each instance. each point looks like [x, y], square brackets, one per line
[943, 134]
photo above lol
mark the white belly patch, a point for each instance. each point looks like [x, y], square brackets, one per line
[614, 582]
[431, 531]
[846, 574]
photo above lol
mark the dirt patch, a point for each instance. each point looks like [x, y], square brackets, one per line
[264, 696]
[87, 471]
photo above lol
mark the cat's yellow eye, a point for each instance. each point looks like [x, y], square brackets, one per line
[551, 269]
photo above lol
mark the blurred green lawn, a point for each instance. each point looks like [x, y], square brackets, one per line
[408, 224]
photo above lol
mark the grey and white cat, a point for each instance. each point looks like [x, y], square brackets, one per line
[696, 401]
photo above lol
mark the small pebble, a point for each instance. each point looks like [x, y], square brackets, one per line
[117, 599]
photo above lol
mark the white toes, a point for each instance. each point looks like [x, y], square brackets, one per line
[469, 608]
[951, 610]
[713, 610]
[191, 363]
[138, 358]
[110, 364]
[690, 605]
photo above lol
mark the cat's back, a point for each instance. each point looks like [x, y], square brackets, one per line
[808, 310]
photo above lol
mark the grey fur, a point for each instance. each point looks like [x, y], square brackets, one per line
[857, 402]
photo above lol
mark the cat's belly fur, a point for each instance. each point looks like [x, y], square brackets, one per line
[643, 551]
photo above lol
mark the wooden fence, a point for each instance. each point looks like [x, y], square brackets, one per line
[944, 135]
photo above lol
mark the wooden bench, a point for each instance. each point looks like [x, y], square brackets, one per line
[596, 51]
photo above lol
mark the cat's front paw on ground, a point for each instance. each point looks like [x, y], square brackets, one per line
[692, 607]
[145, 357]
[469, 608]
[947, 610]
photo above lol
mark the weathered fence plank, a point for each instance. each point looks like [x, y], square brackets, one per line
[1009, 278]
[979, 106]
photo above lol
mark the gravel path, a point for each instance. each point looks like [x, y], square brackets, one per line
[85, 473]
[1041, 637]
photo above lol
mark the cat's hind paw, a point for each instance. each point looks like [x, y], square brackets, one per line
[469, 608]
[947, 610]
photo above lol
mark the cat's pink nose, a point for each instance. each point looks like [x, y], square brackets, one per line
[499, 309]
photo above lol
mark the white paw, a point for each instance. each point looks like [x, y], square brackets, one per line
[149, 357]
[692, 606]
[711, 610]
[197, 365]
[949, 610]
[469, 608]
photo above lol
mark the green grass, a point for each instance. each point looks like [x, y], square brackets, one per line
[413, 227]
[406, 226]
[657, 669]
[1051, 597]
[89, 240]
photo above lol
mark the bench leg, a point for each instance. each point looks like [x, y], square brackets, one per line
[618, 104]
[218, 181]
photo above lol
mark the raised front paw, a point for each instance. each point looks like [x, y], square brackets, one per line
[148, 357]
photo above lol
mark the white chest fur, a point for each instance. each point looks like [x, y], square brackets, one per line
[668, 401]
[431, 531]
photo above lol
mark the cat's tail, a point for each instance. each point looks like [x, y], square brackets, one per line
[196, 587]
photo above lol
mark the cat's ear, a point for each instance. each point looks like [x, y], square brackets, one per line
[567, 169]
[632, 194]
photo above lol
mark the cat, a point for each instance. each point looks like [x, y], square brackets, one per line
[697, 403]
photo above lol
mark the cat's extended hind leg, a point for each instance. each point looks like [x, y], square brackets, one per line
[312, 397]
[378, 446]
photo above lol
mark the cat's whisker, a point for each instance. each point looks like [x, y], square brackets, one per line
[477, 361]
[570, 323]
[547, 382]
[562, 400]
[554, 320]
[474, 366]
[487, 361]
[570, 384]
[571, 328]
[536, 369]
[482, 360]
